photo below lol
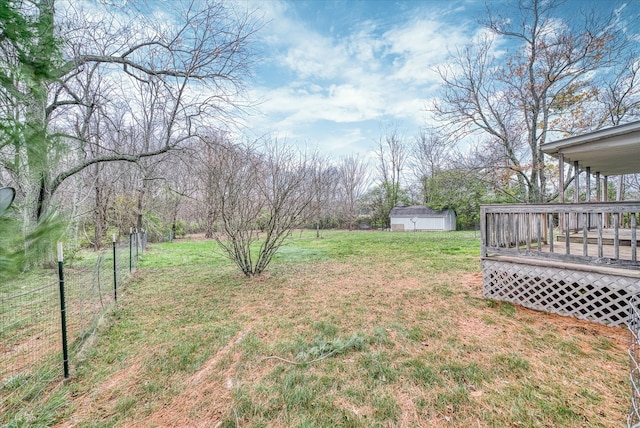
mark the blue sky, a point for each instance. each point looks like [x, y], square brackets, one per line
[335, 74]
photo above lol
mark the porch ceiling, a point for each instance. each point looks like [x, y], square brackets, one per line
[609, 151]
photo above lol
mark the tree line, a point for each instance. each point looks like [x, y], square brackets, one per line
[114, 117]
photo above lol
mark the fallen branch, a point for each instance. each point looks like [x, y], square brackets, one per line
[330, 349]
[300, 363]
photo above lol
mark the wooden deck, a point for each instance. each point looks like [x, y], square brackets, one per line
[560, 232]
[578, 248]
[608, 237]
[531, 259]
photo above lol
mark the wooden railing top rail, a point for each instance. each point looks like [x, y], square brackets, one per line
[579, 207]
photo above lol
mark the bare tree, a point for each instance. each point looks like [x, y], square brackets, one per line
[429, 154]
[632, 186]
[324, 182]
[353, 180]
[195, 65]
[262, 197]
[392, 157]
[209, 173]
[620, 97]
[215, 153]
[512, 99]
[180, 191]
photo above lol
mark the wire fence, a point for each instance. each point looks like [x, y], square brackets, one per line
[39, 313]
[634, 359]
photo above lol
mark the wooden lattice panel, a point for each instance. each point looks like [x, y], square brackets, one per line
[586, 295]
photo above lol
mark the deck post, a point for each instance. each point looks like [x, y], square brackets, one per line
[605, 198]
[634, 240]
[576, 187]
[576, 193]
[528, 223]
[539, 233]
[588, 198]
[585, 235]
[550, 224]
[616, 235]
[483, 232]
[517, 231]
[561, 177]
[561, 186]
[598, 188]
[567, 241]
[600, 217]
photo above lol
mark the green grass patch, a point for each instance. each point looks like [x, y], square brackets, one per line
[369, 329]
[511, 364]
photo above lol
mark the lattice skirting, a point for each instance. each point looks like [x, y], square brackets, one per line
[596, 297]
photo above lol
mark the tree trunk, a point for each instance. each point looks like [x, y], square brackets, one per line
[36, 138]
[140, 206]
[620, 190]
[98, 232]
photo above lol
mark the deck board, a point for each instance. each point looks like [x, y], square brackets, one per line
[608, 237]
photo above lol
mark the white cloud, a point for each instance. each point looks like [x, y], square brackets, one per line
[316, 58]
[305, 52]
[363, 76]
[420, 45]
[364, 47]
[338, 103]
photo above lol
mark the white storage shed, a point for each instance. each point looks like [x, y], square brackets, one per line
[420, 218]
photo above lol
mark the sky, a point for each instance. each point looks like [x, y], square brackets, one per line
[337, 74]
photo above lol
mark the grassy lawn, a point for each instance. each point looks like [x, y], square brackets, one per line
[356, 329]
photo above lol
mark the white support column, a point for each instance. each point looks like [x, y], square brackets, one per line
[561, 177]
[576, 173]
[605, 198]
[588, 198]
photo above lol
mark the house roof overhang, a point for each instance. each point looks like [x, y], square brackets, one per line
[609, 151]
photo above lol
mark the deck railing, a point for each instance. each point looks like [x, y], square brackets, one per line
[598, 233]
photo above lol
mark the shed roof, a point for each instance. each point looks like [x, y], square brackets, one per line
[416, 211]
[609, 151]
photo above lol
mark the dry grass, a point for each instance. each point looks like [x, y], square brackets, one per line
[418, 345]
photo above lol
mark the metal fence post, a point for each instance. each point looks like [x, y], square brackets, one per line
[137, 244]
[115, 278]
[63, 312]
[130, 249]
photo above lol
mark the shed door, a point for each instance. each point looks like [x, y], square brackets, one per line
[430, 223]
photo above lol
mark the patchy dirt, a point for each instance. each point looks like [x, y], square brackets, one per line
[206, 399]
[109, 391]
